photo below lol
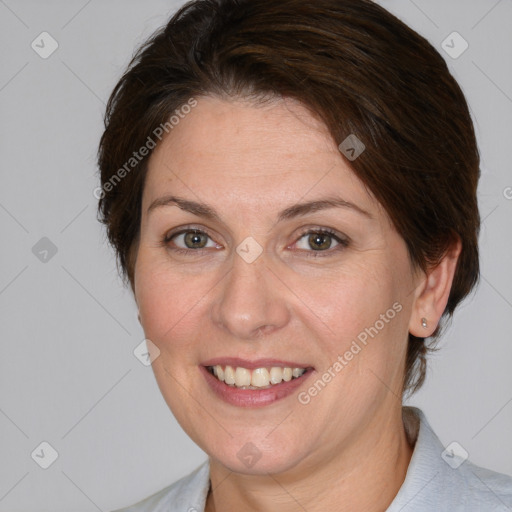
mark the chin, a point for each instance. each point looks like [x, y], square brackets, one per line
[252, 459]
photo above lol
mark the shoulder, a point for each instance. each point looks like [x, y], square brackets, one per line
[482, 488]
[442, 479]
[185, 495]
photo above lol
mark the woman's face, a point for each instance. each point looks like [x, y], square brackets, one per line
[248, 278]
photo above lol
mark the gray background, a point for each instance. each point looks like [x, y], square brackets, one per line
[68, 375]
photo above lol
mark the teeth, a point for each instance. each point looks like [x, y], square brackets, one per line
[242, 377]
[297, 372]
[260, 378]
[276, 375]
[229, 375]
[257, 378]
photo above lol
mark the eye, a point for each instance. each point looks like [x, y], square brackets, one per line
[188, 240]
[321, 240]
[313, 242]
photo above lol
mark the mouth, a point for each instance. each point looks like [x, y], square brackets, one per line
[251, 384]
[256, 378]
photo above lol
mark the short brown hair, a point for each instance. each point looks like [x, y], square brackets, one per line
[355, 66]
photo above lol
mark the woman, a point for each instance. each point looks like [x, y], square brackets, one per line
[290, 188]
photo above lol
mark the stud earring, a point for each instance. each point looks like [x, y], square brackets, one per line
[424, 323]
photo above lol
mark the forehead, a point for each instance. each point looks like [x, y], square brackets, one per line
[258, 153]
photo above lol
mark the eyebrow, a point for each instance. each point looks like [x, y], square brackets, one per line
[296, 210]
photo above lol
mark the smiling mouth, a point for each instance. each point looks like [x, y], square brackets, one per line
[257, 378]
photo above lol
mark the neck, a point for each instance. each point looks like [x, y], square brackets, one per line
[364, 476]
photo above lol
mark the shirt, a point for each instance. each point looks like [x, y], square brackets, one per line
[438, 479]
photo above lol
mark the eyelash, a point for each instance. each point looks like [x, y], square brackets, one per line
[342, 241]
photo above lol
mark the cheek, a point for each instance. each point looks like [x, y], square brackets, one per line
[169, 301]
[348, 301]
[364, 319]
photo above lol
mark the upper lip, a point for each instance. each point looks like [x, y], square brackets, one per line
[255, 363]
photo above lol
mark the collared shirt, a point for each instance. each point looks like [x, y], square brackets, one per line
[437, 480]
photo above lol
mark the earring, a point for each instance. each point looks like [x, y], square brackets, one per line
[424, 323]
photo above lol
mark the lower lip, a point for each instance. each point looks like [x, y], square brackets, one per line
[253, 397]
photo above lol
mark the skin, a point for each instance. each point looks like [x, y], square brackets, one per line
[346, 449]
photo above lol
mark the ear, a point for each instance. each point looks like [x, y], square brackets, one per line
[432, 293]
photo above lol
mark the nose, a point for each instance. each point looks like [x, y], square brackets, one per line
[250, 301]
